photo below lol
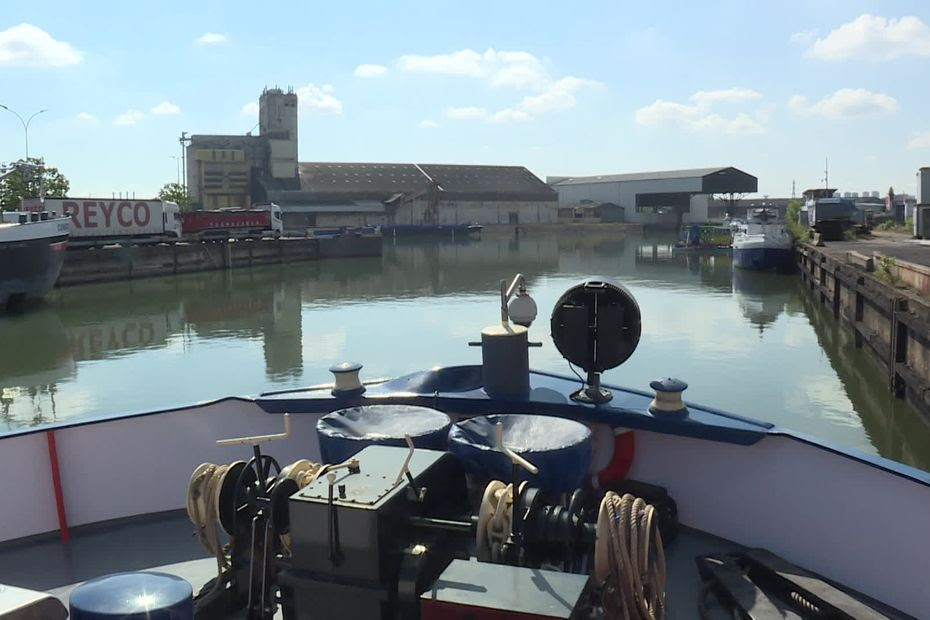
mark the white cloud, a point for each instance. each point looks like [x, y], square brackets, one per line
[428, 124]
[249, 109]
[86, 117]
[518, 70]
[465, 112]
[558, 95]
[166, 108]
[804, 37]
[513, 69]
[845, 103]
[699, 115]
[318, 99]
[921, 140]
[212, 38]
[130, 117]
[873, 38]
[707, 98]
[26, 45]
[370, 71]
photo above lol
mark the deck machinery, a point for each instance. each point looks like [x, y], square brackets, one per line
[397, 532]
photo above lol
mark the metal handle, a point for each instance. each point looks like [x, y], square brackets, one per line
[514, 457]
[405, 468]
[257, 439]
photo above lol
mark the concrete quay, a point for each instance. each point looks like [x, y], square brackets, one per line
[83, 266]
[880, 289]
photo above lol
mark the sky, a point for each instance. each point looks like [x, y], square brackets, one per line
[772, 88]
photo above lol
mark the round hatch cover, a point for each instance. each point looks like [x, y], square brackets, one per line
[596, 325]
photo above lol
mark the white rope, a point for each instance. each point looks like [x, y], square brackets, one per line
[203, 497]
[629, 560]
[202, 505]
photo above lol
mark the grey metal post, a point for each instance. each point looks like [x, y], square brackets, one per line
[25, 124]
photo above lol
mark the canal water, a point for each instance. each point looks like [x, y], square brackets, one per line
[746, 342]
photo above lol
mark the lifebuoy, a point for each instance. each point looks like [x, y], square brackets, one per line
[613, 449]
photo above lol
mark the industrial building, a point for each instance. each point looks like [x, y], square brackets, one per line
[241, 170]
[659, 199]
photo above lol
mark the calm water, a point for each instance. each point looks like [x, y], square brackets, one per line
[745, 342]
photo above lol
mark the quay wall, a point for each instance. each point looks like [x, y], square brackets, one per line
[891, 322]
[86, 265]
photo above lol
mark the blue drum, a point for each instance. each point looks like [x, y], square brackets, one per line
[560, 448]
[133, 596]
[342, 434]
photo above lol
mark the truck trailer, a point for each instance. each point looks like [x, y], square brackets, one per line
[97, 221]
[255, 223]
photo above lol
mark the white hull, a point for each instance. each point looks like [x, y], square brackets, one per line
[849, 520]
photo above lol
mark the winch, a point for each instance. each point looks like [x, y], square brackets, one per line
[419, 531]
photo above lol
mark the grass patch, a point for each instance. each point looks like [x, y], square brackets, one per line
[892, 226]
[886, 270]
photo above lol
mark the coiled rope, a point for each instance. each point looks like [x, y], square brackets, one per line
[202, 509]
[203, 502]
[629, 560]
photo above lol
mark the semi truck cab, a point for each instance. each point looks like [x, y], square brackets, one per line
[277, 221]
[171, 214]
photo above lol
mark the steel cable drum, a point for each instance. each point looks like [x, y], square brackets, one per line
[345, 432]
[560, 448]
[596, 325]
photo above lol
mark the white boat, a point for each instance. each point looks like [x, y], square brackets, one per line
[118, 488]
[763, 243]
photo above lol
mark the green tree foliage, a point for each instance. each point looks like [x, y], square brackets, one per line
[175, 192]
[791, 218]
[31, 180]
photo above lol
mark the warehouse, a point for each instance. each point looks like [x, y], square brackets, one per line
[366, 194]
[230, 171]
[659, 199]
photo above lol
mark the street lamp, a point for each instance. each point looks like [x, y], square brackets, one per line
[177, 160]
[25, 124]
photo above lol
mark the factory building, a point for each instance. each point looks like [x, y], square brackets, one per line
[659, 199]
[238, 171]
[352, 194]
[230, 170]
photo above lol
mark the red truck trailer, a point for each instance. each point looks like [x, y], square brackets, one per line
[233, 223]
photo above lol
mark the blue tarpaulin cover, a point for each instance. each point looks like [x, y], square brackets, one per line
[559, 447]
[345, 432]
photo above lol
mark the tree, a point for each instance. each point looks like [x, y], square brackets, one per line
[31, 179]
[175, 192]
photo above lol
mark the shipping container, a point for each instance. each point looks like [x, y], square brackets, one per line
[113, 220]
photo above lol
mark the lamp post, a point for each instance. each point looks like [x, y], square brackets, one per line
[25, 124]
[177, 160]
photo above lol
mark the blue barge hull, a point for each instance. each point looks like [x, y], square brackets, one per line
[764, 259]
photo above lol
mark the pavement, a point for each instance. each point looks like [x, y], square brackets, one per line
[896, 245]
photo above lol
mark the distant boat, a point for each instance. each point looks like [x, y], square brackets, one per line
[31, 254]
[704, 238]
[763, 243]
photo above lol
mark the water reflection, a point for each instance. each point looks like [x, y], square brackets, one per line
[763, 296]
[745, 341]
[893, 427]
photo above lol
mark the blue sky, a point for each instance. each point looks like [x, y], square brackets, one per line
[563, 89]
